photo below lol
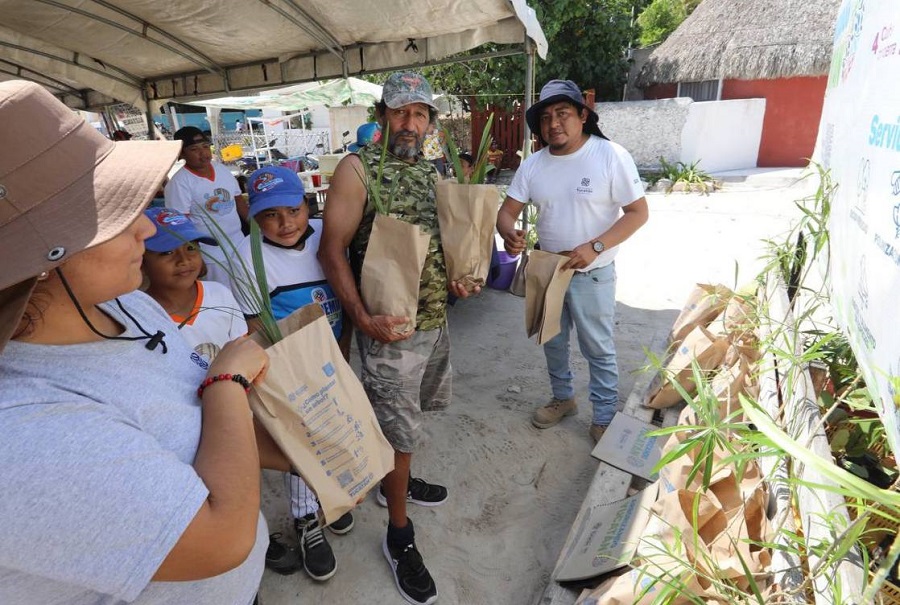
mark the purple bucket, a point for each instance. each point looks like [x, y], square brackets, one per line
[502, 272]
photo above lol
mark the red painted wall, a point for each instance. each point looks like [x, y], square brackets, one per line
[791, 122]
[660, 91]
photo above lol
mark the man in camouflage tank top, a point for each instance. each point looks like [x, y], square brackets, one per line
[407, 372]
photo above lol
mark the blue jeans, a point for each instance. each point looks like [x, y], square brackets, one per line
[589, 306]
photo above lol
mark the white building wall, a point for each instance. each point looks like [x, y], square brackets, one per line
[720, 135]
[344, 119]
[723, 135]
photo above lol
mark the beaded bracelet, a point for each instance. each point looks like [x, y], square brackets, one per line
[232, 377]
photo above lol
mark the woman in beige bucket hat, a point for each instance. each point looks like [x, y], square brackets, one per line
[128, 471]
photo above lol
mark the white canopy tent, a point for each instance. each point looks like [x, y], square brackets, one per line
[334, 93]
[94, 52]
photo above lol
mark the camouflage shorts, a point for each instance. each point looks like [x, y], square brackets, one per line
[405, 378]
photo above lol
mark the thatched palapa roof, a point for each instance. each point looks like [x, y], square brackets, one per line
[746, 40]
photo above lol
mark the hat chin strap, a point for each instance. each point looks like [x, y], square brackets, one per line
[153, 340]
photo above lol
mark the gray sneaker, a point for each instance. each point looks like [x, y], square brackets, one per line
[553, 412]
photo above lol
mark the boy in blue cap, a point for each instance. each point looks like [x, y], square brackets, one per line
[290, 243]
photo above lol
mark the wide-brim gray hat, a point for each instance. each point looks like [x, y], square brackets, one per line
[556, 91]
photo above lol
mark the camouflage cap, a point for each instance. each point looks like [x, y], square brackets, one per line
[404, 87]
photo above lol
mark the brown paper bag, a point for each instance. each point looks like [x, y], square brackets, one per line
[467, 215]
[392, 269]
[729, 383]
[726, 488]
[699, 345]
[704, 303]
[736, 320]
[642, 585]
[517, 287]
[545, 291]
[315, 408]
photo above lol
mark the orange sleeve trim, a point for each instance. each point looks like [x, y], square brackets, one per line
[198, 304]
[212, 179]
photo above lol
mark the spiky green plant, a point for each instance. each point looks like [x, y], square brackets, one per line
[480, 168]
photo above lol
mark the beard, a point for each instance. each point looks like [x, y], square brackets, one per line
[405, 151]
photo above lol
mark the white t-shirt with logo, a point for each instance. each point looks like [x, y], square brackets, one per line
[578, 196]
[187, 193]
[215, 319]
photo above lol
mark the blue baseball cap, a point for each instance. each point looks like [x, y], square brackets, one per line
[274, 186]
[173, 229]
[370, 132]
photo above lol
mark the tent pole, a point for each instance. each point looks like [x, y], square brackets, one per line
[151, 127]
[529, 93]
[529, 80]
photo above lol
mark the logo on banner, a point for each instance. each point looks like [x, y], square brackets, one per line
[856, 25]
[884, 134]
[858, 211]
[862, 284]
[862, 184]
[896, 221]
[883, 46]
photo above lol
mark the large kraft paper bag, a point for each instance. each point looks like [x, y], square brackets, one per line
[729, 383]
[545, 291]
[704, 303]
[315, 408]
[712, 548]
[644, 584]
[700, 346]
[467, 215]
[727, 488]
[392, 269]
[737, 319]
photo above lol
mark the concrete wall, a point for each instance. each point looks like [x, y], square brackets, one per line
[721, 135]
[647, 129]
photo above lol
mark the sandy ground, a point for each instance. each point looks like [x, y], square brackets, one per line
[514, 489]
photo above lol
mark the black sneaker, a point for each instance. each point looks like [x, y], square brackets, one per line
[315, 552]
[410, 575]
[281, 558]
[420, 492]
[343, 525]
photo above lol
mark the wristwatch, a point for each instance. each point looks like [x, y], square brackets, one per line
[598, 247]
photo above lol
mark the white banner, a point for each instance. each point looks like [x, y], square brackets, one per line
[859, 140]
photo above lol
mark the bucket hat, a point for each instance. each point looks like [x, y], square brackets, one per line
[64, 188]
[555, 91]
[274, 186]
[405, 87]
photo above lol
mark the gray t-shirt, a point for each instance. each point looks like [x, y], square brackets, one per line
[96, 483]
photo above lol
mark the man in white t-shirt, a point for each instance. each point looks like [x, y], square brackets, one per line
[589, 199]
[207, 192]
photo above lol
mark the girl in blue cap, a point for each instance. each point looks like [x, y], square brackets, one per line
[206, 312]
